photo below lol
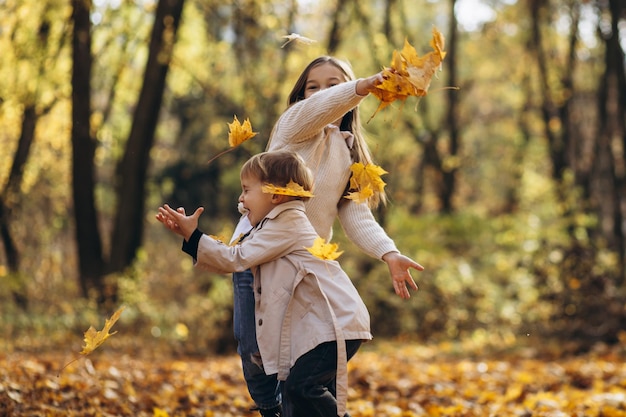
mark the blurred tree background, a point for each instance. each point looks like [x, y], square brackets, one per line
[510, 190]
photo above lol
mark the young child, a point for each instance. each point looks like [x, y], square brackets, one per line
[310, 319]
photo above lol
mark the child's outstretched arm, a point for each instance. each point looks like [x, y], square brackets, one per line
[177, 221]
[364, 86]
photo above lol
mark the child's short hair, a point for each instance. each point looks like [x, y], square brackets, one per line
[279, 168]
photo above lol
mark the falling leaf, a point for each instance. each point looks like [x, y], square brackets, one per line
[409, 74]
[364, 180]
[324, 251]
[239, 133]
[366, 174]
[298, 38]
[94, 338]
[362, 195]
[292, 189]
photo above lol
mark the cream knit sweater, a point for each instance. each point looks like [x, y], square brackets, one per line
[307, 128]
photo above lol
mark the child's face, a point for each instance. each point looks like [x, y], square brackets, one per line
[321, 77]
[258, 203]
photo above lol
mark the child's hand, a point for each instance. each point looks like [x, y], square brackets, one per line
[168, 221]
[399, 266]
[366, 85]
[177, 221]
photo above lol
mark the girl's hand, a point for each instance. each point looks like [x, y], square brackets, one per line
[399, 268]
[366, 85]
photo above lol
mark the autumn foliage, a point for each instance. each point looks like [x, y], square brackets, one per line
[386, 380]
[409, 74]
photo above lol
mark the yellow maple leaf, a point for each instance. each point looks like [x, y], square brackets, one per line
[324, 251]
[364, 175]
[362, 195]
[292, 189]
[239, 133]
[94, 338]
[410, 74]
[364, 180]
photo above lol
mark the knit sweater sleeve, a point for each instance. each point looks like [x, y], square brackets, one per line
[363, 230]
[307, 118]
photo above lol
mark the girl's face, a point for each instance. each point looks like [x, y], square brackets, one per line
[258, 203]
[321, 77]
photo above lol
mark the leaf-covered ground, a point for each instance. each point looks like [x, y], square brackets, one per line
[386, 379]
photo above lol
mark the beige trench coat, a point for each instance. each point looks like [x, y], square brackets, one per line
[301, 301]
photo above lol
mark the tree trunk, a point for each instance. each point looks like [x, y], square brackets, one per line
[132, 170]
[452, 119]
[612, 131]
[9, 198]
[556, 118]
[90, 262]
[335, 36]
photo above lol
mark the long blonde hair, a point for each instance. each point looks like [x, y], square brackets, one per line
[350, 122]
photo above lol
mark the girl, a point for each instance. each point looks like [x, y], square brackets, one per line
[322, 125]
[310, 320]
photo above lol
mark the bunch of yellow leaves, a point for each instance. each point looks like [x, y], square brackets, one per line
[410, 74]
[365, 179]
[292, 189]
[238, 133]
[324, 251]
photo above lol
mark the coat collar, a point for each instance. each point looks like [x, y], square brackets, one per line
[289, 205]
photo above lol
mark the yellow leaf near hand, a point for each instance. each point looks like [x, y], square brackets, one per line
[292, 189]
[324, 251]
[94, 338]
[410, 74]
[239, 133]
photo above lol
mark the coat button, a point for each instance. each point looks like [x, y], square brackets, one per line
[260, 322]
[258, 290]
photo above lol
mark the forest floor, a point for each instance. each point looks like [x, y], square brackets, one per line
[386, 379]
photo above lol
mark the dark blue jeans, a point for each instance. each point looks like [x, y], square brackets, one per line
[310, 389]
[263, 389]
